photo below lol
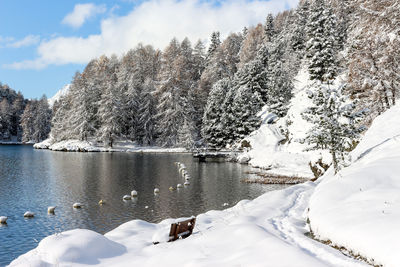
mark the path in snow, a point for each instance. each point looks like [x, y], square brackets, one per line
[291, 227]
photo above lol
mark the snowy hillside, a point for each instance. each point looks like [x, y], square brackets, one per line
[359, 208]
[62, 92]
[280, 145]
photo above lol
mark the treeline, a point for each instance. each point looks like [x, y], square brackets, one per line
[186, 96]
[23, 120]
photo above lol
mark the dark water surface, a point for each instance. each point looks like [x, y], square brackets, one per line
[35, 179]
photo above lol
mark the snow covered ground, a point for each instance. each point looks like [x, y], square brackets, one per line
[268, 231]
[285, 153]
[359, 208]
[91, 146]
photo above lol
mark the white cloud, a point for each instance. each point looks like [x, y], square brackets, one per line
[26, 41]
[81, 13]
[156, 22]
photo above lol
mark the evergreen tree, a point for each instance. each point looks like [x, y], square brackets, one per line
[215, 43]
[279, 84]
[5, 119]
[269, 30]
[212, 128]
[298, 34]
[334, 122]
[246, 105]
[42, 120]
[321, 46]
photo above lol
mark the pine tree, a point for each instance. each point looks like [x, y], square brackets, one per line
[42, 120]
[269, 30]
[5, 119]
[246, 105]
[215, 43]
[334, 122]
[322, 45]
[298, 34]
[279, 83]
[212, 128]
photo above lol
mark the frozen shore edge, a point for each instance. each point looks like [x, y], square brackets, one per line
[88, 146]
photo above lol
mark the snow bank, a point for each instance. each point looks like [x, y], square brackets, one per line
[359, 208]
[280, 145]
[268, 231]
[92, 146]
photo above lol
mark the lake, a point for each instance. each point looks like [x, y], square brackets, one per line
[35, 179]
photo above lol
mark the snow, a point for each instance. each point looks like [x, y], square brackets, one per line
[62, 92]
[92, 146]
[290, 158]
[359, 208]
[269, 229]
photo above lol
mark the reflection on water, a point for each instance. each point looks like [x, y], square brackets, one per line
[35, 179]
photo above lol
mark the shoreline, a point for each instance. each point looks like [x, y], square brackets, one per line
[91, 146]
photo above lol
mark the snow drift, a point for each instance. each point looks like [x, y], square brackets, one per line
[359, 208]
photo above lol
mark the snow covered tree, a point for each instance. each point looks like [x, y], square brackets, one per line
[215, 43]
[171, 96]
[246, 105]
[334, 122]
[213, 129]
[279, 84]
[322, 43]
[59, 123]
[27, 121]
[373, 58]
[110, 106]
[269, 30]
[251, 44]
[147, 111]
[36, 120]
[5, 119]
[42, 120]
[298, 34]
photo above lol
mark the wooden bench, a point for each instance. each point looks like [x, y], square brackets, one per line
[181, 229]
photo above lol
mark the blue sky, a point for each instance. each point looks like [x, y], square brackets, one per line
[44, 42]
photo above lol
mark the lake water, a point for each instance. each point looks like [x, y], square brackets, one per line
[35, 179]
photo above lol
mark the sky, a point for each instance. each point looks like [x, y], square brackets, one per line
[44, 42]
